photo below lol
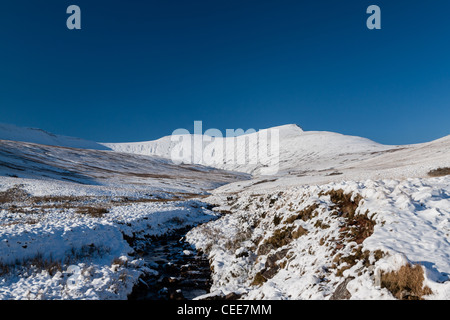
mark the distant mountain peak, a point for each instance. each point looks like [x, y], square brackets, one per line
[288, 130]
[291, 126]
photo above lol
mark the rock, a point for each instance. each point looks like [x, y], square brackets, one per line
[176, 295]
[341, 292]
[274, 258]
[233, 296]
[219, 296]
[270, 273]
[265, 248]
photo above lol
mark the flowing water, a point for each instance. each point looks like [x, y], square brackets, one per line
[182, 272]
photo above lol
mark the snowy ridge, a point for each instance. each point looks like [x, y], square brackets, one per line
[14, 133]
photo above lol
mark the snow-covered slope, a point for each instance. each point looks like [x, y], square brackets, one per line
[22, 160]
[14, 133]
[380, 239]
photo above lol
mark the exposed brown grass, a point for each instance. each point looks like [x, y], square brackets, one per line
[258, 279]
[282, 237]
[179, 196]
[406, 283]
[304, 214]
[56, 199]
[357, 227]
[299, 232]
[439, 172]
[119, 262]
[94, 212]
[320, 224]
[276, 220]
[345, 203]
[235, 243]
[4, 269]
[38, 262]
[12, 195]
[356, 256]
[52, 266]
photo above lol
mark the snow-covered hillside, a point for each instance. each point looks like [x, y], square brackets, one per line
[14, 133]
[304, 157]
[63, 207]
[95, 167]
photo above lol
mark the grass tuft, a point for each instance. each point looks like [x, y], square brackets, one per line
[406, 283]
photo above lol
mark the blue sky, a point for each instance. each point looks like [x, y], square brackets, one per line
[140, 69]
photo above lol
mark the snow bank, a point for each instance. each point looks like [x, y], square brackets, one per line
[306, 242]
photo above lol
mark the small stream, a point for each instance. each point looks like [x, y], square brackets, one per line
[183, 274]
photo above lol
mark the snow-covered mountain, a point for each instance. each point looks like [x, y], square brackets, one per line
[305, 156]
[296, 149]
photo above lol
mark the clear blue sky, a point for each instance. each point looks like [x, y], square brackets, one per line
[140, 69]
